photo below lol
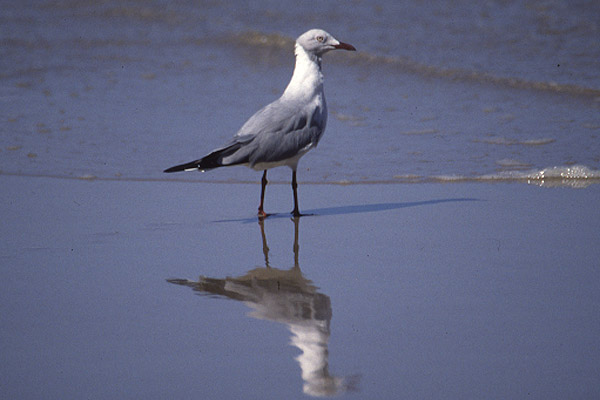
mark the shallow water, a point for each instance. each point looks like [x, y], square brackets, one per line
[124, 90]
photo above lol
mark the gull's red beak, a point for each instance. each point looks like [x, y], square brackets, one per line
[344, 46]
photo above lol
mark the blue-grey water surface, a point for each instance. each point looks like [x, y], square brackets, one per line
[126, 89]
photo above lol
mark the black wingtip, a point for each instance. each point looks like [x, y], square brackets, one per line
[182, 167]
[173, 169]
[210, 161]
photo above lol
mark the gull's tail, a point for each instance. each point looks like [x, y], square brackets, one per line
[211, 161]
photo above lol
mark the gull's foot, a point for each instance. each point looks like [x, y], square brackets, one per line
[262, 215]
[298, 214]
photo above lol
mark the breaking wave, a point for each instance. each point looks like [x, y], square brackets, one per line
[407, 65]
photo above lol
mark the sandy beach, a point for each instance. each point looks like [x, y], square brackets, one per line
[455, 290]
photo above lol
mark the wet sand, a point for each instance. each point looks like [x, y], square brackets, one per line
[465, 290]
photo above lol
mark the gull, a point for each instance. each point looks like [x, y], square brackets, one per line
[283, 131]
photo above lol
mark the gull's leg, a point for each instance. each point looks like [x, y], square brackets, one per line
[261, 211]
[296, 211]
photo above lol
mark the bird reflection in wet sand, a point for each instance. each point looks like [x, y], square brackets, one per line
[285, 296]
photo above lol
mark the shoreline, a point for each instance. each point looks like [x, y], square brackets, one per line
[507, 177]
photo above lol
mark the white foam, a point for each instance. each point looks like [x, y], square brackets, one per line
[575, 176]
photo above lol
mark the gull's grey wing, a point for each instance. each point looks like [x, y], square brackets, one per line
[277, 132]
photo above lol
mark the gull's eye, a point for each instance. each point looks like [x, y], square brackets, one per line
[320, 39]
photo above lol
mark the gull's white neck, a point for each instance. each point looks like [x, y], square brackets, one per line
[307, 80]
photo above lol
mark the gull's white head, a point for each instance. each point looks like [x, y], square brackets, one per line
[319, 42]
